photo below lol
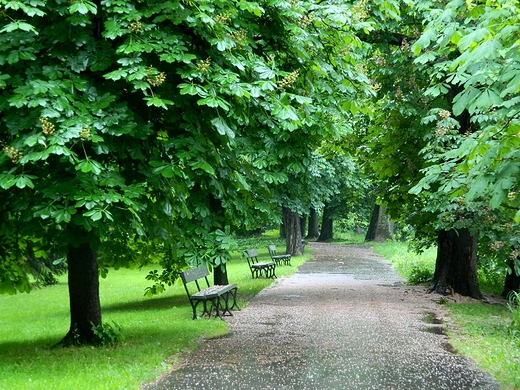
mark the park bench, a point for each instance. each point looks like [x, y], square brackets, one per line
[218, 299]
[285, 259]
[257, 267]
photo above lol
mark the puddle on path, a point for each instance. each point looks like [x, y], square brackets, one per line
[437, 328]
[431, 318]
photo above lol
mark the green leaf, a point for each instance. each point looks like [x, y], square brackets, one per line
[89, 166]
[487, 99]
[7, 180]
[204, 166]
[214, 101]
[59, 150]
[83, 7]
[62, 215]
[95, 214]
[473, 38]
[116, 74]
[478, 187]
[285, 112]
[264, 71]
[24, 181]
[189, 89]
[34, 139]
[18, 25]
[462, 100]
[158, 102]
[166, 170]
[222, 127]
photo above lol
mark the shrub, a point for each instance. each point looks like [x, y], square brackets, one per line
[106, 334]
[420, 273]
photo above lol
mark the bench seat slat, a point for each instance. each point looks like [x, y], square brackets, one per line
[213, 291]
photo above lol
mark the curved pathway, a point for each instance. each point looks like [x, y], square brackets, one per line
[343, 321]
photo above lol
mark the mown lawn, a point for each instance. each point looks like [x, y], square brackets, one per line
[155, 329]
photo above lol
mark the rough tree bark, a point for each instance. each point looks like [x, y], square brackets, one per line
[282, 230]
[293, 232]
[512, 281]
[303, 225]
[85, 308]
[381, 228]
[456, 264]
[220, 275]
[326, 232]
[313, 230]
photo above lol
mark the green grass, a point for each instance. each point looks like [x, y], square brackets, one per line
[155, 329]
[416, 268]
[482, 331]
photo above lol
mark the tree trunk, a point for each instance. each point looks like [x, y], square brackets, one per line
[313, 226]
[326, 233]
[512, 282]
[456, 265]
[85, 308]
[303, 225]
[220, 275]
[381, 228]
[293, 232]
[282, 230]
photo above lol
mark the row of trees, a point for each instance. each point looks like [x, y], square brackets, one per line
[152, 131]
[444, 142]
[134, 130]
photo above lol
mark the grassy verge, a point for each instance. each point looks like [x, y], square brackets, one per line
[154, 328]
[482, 331]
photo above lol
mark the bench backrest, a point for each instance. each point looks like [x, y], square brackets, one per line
[193, 275]
[272, 250]
[251, 256]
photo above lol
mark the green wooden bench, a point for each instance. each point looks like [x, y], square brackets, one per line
[257, 267]
[217, 300]
[278, 259]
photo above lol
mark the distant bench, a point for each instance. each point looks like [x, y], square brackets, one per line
[278, 259]
[257, 267]
[215, 299]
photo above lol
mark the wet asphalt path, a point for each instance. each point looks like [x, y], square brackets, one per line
[343, 321]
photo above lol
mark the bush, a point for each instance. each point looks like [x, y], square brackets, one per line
[491, 278]
[106, 334]
[416, 268]
[420, 274]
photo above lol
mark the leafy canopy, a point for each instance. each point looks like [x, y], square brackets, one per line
[160, 126]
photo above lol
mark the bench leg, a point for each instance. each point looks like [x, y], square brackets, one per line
[270, 270]
[232, 294]
[206, 311]
[194, 304]
[256, 273]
